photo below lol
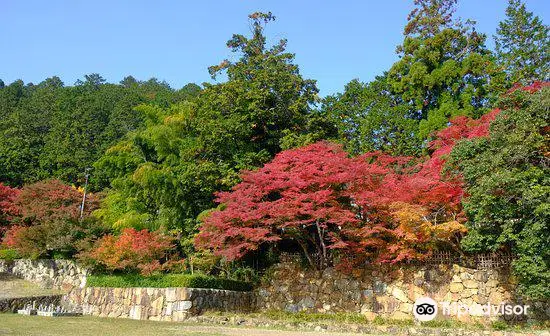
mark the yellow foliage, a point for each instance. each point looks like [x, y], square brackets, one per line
[414, 225]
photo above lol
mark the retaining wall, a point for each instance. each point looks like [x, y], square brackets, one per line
[48, 273]
[158, 304]
[390, 290]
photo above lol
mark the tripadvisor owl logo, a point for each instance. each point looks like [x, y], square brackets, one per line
[425, 309]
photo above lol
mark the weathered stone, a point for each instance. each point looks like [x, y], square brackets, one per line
[183, 294]
[370, 316]
[496, 298]
[399, 315]
[135, 312]
[367, 294]
[292, 308]
[492, 283]
[400, 295]
[406, 307]
[456, 287]
[13, 304]
[47, 273]
[381, 290]
[467, 293]
[456, 278]
[305, 303]
[470, 283]
[379, 287]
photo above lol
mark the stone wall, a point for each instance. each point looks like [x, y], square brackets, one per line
[387, 291]
[48, 273]
[158, 304]
[13, 304]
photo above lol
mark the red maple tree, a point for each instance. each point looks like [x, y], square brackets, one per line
[51, 200]
[374, 207]
[132, 250]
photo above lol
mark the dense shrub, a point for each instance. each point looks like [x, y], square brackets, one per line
[28, 241]
[9, 254]
[133, 250]
[61, 237]
[167, 280]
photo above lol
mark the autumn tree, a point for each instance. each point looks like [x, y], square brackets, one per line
[337, 209]
[523, 45]
[298, 197]
[8, 209]
[48, 219]
[131, 251]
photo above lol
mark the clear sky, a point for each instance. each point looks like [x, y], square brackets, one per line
[175, 41]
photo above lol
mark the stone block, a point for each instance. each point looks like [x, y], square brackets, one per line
[183, 294]
[170, 294]
[400, 295]
[470, 283]
[135, 312]
[183, 305]
[456, 287]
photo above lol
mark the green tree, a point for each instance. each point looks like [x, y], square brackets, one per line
[264, 91]
[523, 45]
[507, 178]
[28, 117]
[51, 130]
[445, 69]
[166, 174]
[76, 138]
[370, 117]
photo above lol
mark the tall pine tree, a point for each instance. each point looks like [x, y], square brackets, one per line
[445, 69]
[523, 45]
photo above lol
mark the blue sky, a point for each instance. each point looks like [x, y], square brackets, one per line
[334, 41]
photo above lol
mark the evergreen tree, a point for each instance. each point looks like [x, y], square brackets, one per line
[445, 69]
[507, 179]
[370, 117]
[523, 45]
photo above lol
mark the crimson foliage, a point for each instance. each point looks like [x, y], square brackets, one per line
[46, 219]
[52, 200]
[7, 206]
[343, 209]
[131, 251]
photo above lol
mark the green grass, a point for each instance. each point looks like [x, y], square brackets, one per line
[12, 324]
[167, 280]
[356, 318]
[314, 317]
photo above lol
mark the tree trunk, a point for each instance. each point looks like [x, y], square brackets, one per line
[323, 246]
[308, 256]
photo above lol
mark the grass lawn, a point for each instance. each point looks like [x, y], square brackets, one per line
[13, 324]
